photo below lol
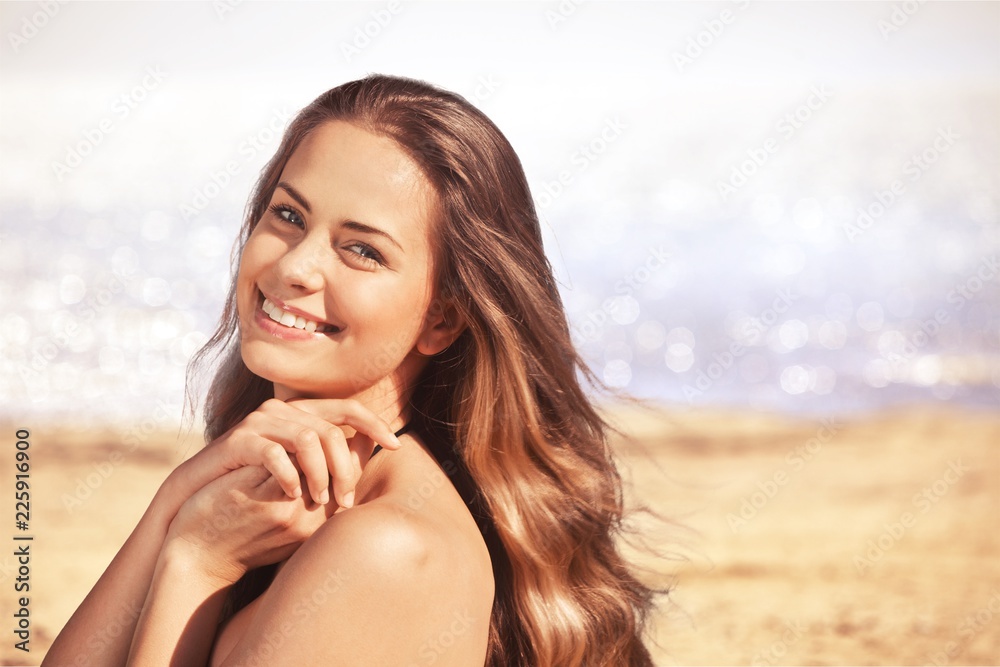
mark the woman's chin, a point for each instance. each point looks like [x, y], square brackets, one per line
[282, 380]
[286, 389]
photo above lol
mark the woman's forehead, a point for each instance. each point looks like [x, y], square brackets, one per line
[341, 166]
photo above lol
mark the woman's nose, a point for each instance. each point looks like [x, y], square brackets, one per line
[301, 266]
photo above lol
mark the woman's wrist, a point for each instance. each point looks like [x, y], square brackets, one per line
[181, 611]
[197, 566]
[184, 481]
[170, 496]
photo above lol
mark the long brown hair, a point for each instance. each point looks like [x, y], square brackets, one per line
[506, 397]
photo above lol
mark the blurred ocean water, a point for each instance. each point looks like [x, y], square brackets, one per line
[805, 249]
[853, 264]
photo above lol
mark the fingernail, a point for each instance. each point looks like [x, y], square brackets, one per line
[349, 499]
[324, 497]
[297, 493]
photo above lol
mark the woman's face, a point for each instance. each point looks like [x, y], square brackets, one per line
[343, 257]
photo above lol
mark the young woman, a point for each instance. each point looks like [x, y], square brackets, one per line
[392, 288]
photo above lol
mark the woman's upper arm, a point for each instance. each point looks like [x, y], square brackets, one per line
[369, 587]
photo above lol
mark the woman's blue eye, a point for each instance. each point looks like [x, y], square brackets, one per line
[367, 253]
[288, 214]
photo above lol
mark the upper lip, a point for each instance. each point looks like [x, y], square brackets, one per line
[297, 311]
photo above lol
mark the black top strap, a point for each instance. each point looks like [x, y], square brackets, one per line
[406, 427]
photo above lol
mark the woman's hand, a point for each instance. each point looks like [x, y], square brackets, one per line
[241, 521]
[286, 437]
[237, 522]
[237, 504]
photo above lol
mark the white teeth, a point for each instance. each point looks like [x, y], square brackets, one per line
[289, 320]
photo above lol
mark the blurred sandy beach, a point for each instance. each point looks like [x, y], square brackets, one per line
[845, 541]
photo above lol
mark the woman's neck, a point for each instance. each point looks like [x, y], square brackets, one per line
[387, 399]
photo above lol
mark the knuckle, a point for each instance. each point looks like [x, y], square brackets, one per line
[285, 521]
[333, 433]
[272, 454]
[254, 420]
[306, 438]
[282, 514]
[270, 405]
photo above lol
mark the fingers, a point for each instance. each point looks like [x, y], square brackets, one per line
[307, 430]
[272, 440]
[309, 452]
[322, 451]
[345, 477]
[250, 477]
[266, 441]
[350, 413]
[275, 459]
[251, 448]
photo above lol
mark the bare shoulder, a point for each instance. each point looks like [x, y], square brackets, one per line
[413, 496]
[413, 549]
[390, 581]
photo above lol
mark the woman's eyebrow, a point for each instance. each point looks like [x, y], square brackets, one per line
[368, 229]
[350, 224]
[296, 195]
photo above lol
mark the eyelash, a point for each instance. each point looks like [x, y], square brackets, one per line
[278, 210]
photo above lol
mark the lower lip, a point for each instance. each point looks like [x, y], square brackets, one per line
[281, 331]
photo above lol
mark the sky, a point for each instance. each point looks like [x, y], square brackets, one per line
[130, 134]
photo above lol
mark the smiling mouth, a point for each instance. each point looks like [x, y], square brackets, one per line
[293, 321]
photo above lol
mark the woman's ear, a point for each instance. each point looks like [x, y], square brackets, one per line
[442, 325]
